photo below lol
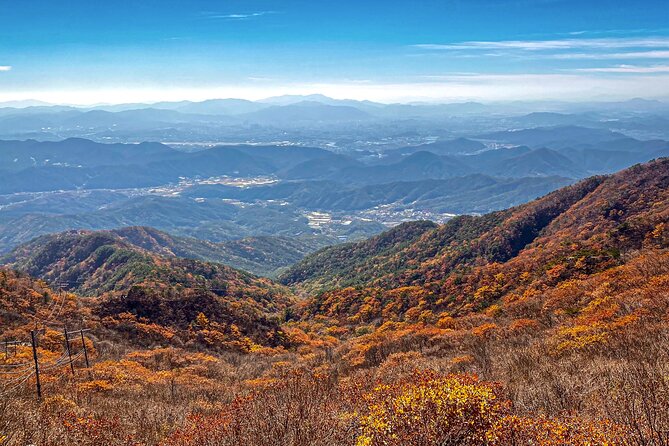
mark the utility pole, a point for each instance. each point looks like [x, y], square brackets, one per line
[68, 347]
[69, 352]
[39, 386]
[83, 344]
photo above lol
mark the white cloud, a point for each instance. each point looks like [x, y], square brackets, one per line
[621, 49]
[559, 44]
[240, 16]
[656, 54]
[5, 67]
[260, 79]
[626, 69]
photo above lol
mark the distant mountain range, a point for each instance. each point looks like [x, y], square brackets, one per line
[269, 181]
[572, 152]
[225, 118]
[238, 106]
[48, 187]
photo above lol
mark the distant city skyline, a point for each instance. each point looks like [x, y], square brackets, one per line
[76, 52]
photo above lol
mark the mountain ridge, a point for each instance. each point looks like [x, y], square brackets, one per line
[465, 242]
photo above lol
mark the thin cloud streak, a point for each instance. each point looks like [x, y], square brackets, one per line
[560, 44]
[625, 69]
[5, 67]
[657, 54]
[240, 16]
[626, 32]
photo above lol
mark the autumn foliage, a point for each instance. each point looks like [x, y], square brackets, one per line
[545, 324]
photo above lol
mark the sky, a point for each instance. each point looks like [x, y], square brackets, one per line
[89, 52]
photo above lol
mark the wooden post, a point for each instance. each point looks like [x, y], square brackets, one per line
[39, 386]
[6, 350]
[83, 344]
[69, 352]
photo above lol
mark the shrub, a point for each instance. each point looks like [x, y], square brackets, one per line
[433, 411]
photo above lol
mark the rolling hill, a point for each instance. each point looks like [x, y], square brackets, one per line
[554, 137]
[468, 194]
[77, 163]
[446, 147]
[73, 164]
[163, 296]
[18, 155]
[263, 256]
[416, 166]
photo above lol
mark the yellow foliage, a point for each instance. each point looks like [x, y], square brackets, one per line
[57, 404]
[493, 310]
[542, 431]
[445, 321]
[433, 409]
[522, 325]
[427, 317]
[487, 292]
[98, 385]
[484, 330]
[201, 320]
[463, 359]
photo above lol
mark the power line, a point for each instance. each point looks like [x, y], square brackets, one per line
[6, 392]
[9, 366]
[60, 286]
[16, 371]
[22, 375]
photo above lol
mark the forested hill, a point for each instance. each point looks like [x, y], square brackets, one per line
[576, 230]
[346, 264]
[263, 255]
[154, 298]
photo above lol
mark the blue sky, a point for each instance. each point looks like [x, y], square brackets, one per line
[449, 50]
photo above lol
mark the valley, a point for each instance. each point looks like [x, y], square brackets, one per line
[227, 192]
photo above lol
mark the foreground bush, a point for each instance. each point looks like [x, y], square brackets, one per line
[451, 410]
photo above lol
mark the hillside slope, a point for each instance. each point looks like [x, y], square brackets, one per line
[156, 298]
[563, 300]
[580, 229]
[257, 255]
[464, 239]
